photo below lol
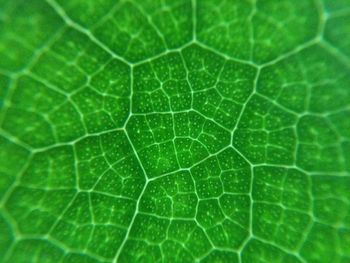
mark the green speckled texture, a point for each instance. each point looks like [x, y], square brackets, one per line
[175, 131]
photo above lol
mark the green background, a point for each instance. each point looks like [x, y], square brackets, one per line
[175, 131]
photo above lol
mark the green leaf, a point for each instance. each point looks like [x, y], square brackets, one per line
[175, 131]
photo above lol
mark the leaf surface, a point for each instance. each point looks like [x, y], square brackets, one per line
[175, 131]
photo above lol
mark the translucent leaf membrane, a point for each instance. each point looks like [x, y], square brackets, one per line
[174, 131]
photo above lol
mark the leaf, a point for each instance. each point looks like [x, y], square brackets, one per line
[174, 131]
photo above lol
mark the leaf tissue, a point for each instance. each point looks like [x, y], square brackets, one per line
[175, 131]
